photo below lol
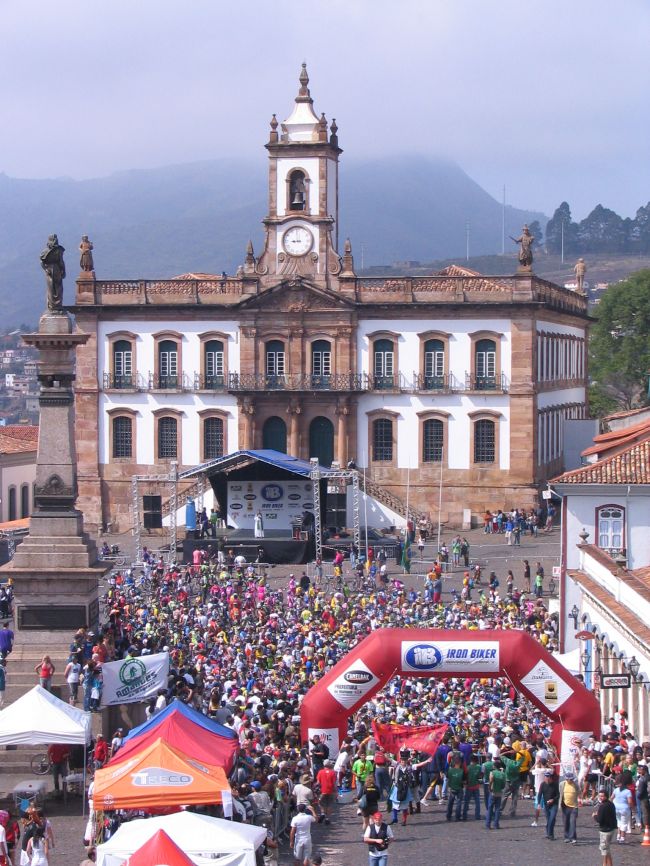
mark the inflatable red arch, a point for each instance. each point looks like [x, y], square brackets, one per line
[427, 652]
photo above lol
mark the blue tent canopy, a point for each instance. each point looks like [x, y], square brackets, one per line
[266, 455]
[190, 713]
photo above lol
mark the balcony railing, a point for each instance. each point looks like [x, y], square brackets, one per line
[131, 382]
[498, 382]
[339, 382]
[298, 382]
[422, 382]
[209, 383]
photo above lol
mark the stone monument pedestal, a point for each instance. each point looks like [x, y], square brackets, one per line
[55, 570]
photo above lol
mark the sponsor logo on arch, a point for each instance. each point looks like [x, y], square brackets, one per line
[477, 657]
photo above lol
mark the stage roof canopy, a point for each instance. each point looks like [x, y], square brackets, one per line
[238, 459]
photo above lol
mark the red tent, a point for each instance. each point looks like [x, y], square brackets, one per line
[160, 850]
[181, 733]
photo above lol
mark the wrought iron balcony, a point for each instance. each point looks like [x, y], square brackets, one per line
[422, 382]
[498, 382]
[298, 382]
[209, 383]
[112, 381]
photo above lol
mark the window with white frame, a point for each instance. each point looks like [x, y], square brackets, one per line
[611, 528]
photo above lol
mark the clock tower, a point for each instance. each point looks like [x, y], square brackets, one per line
[301, 224]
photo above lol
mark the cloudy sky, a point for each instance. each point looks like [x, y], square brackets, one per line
[550, 98]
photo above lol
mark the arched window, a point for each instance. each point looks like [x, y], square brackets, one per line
[274, 434]
[384, 363]
[122, 437]
[212, 438]
[214, 364]
[167, 438]
[382, 440]
[321, 364]
[168, 364]
[434, 364]
[275, 364]
[484, 441]
[122, 364]
[432, 440]
[24, 500]
[297, 191]
[12, 512]
[611, 528]
[485, 365]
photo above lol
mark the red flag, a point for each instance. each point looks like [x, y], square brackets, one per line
[421, 738]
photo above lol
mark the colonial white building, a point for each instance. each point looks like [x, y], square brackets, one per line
[452, 373]
[605, 587]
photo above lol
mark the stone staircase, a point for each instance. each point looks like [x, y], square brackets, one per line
[386, 497]
[21, 677]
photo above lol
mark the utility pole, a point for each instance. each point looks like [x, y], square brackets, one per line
[503, 222]
[467, 240]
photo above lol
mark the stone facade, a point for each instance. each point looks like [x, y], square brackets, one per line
[393, 373]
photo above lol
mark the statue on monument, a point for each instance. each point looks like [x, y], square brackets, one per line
[86, 250]
[525, 241]
[580, 269]
[54, 267]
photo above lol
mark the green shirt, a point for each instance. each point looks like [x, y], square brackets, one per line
[487, 768]
[512, 768]
[497, 781]
[362, 769]
[473, 775]
[455, 777]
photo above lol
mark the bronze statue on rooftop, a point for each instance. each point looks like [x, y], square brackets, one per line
[86, 249]
[525, 241]
[54, 267]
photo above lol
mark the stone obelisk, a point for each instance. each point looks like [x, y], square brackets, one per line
[55, 570]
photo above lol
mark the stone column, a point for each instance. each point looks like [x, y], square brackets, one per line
[294, 410]
[55, 570]
[342, 412]
[246, 428]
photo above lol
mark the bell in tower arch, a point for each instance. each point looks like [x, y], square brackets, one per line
[297, 191]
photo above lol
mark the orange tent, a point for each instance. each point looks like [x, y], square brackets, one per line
[160, 849]
[159, 776]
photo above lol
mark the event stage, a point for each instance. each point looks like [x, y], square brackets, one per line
[277, 547]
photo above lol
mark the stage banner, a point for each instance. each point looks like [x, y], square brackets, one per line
[279, 502]
[420, 738]
[134, 679]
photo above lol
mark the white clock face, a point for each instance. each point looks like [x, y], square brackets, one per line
[297, 241]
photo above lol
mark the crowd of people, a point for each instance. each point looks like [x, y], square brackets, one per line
[245, 652]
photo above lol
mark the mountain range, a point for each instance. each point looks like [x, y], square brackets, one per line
[150, 223]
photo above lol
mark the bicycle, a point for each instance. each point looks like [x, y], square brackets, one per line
[40, 764]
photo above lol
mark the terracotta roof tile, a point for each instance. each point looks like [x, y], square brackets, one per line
[627, 414]
[630, 466]
[606, 441]
[18, 438]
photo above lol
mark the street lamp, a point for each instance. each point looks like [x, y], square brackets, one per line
[584, 658]
[634, 666]
[574, 613]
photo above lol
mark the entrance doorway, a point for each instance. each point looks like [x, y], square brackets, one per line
[321, 440]
[274, 434]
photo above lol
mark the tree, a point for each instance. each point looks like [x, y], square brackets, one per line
[619, 348]
[561, 224]
[602, 231]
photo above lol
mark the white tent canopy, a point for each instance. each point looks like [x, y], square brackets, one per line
[39, 718]
[200, 837]
[570, 660]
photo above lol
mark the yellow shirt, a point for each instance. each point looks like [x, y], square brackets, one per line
[570, 794]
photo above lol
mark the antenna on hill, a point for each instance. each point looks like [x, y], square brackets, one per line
[503, 223]
[467, 240]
